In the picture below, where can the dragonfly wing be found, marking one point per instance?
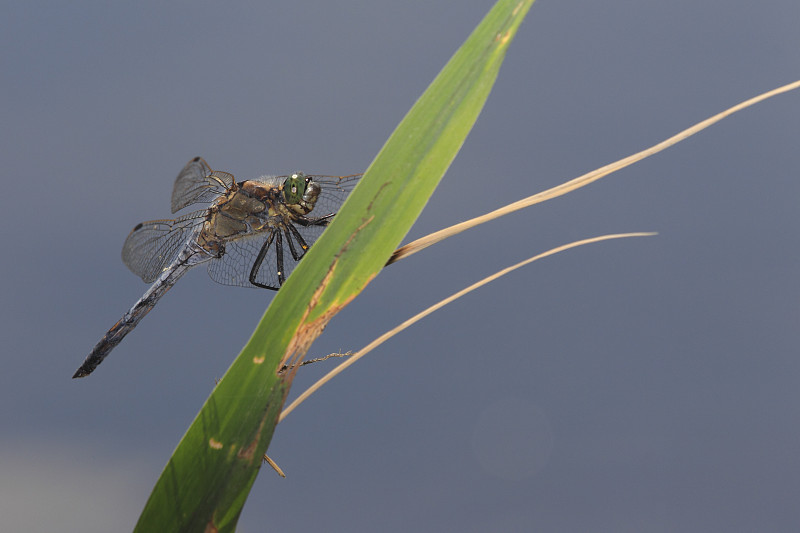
(235, 265)
(197, 183)
(153, 245)
(242, 256)
(335, 190)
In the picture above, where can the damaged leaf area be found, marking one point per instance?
(308, 331)
(206, 482)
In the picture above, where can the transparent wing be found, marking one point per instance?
(282, 244)
(335, 190)
(197, 183)
(153, 245)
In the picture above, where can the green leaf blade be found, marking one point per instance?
(207, 479)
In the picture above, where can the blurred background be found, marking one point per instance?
(635, 385)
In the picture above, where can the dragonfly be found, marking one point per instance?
(250, 233)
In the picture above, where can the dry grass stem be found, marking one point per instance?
(581, 181)
(413, 320)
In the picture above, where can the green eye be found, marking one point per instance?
(294, 188)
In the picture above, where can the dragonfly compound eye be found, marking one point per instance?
(294, 188)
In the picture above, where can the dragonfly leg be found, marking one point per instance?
(260, 259)
(321, 221)
(290, 231)
(279, 256)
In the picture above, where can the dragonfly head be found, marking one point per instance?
(301, 190)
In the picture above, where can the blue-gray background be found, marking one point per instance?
(636, 385)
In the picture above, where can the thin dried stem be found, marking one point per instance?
(581, 181)
(413, 320)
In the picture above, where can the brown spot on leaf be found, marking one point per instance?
(248, 453)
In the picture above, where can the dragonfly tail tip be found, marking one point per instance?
(80, 373)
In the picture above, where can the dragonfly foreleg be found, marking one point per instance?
(321, 221)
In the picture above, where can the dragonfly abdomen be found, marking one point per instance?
(189, 257)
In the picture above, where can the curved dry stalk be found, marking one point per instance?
(416, 318)
(549, 194)
(581, 181)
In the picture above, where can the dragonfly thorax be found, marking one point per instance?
(243, 210)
